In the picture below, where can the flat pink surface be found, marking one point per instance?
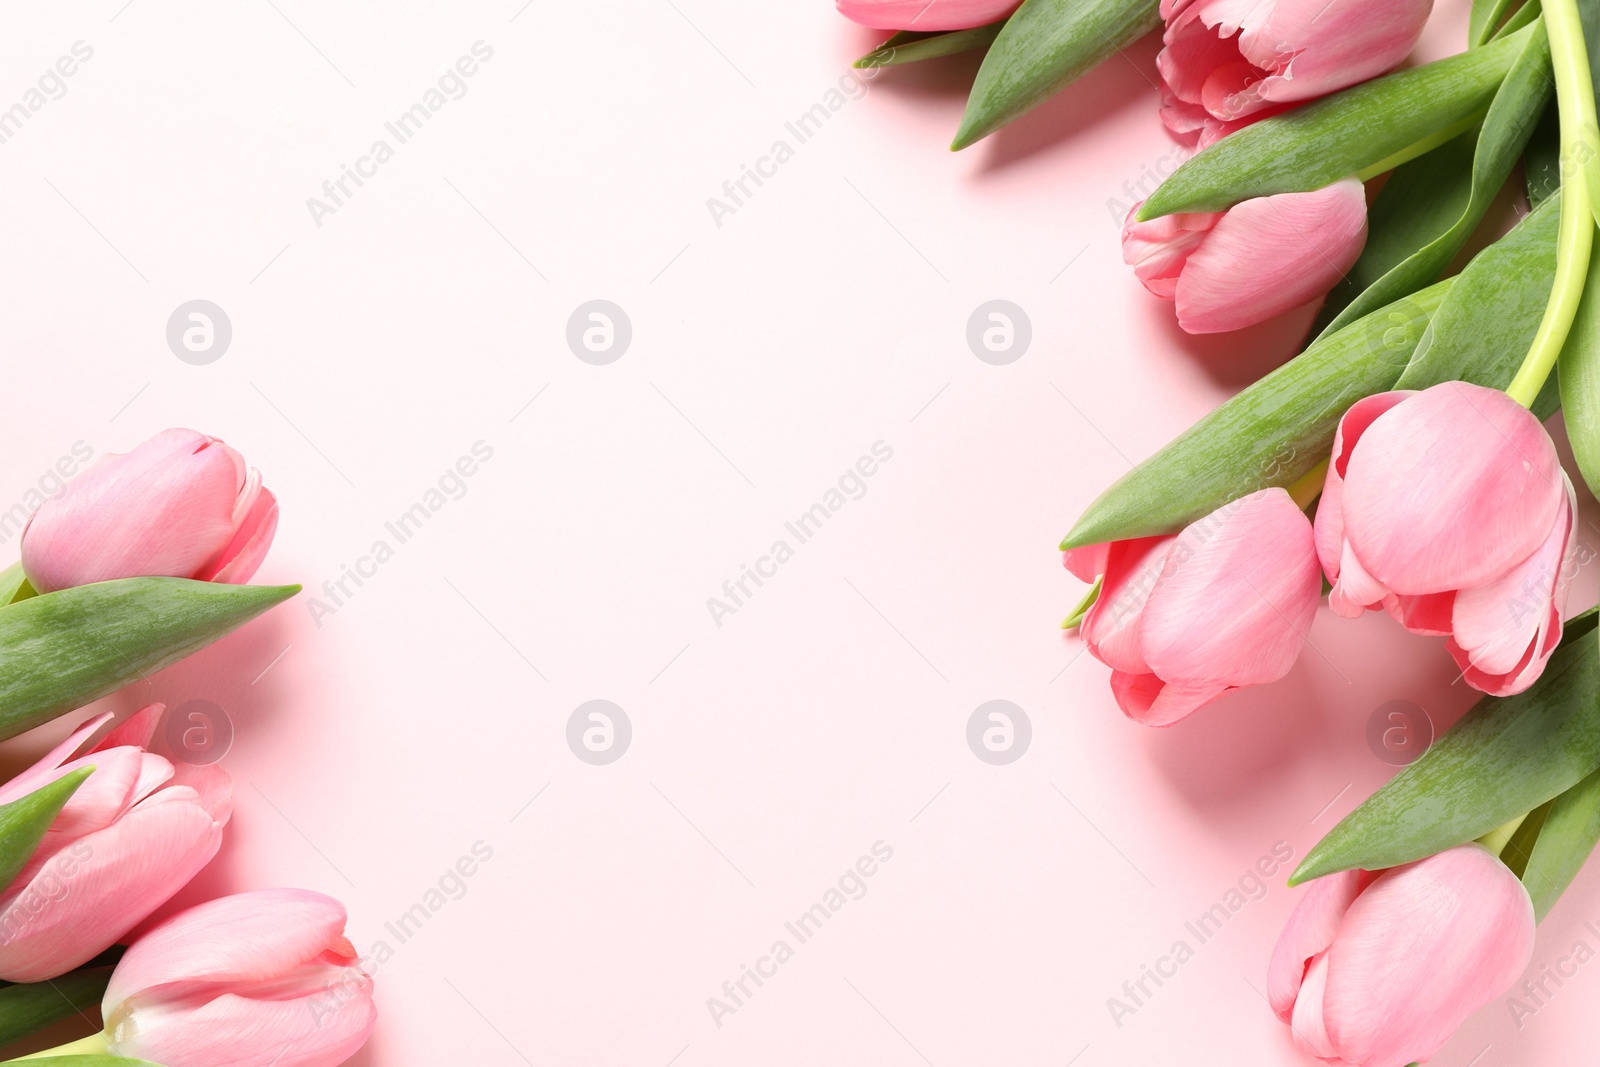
(776, 746)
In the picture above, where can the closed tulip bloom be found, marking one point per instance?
(1262, 257)
(1182, 620)
(130, 837)
(1378, 970)
(925, 14)
(253, 980)
(1449, 509)
(181, 504)
(1232, 60)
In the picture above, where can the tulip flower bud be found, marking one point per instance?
(130, 837)
(1182, 620)
(1378, 969)
(1449, 509)
(259, 978)
(180, 505)
(1230, 269)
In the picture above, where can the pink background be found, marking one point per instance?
(429, 712)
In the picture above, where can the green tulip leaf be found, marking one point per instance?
(31, 1006)
(23, 822)
(1366, 129)
(60, 650)
(1428, 191)
(1504, 758)
(1043, 47)
(1482, 330)
(1578, 372)
(1486, 16)
(907, 47)
(1270, 434)
(1569, 832)
(1416, 207)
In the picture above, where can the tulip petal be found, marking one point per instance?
(1423, 947)
(1086, 563)
(1503, 633)
(1428, 614)
(1313, 47)
(242, 557)
(925, 15)
(1356, 590)
(1149, 701)
(163, 509)
(1157, 250)
(1330, 521)
(245, 937)
(1110, 628)
(1270, 255)
(1236, 597)
(1310, 930)
(319, 1030)
(1450, 489)
(48, 768)
(137, 730)
(1307, 1023)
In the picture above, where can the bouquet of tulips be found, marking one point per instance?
(1401, 457)
(136, 563)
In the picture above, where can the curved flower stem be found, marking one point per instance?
(1580, 185)
(93, 1045)
(1309, 487)
(1497, 839)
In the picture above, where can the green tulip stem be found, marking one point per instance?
(1419, 148)
(1309, 487)
(1497, 839)
(1580, 183)
(93, 1045)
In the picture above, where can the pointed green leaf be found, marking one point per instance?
(1414, 192)
(1571, 828)
(906, 47)
(1270, 434)
(1377, 124)
(23, 822)
(61, 650)
(31, 1006)
(1044, 46)
(1482, 330)
(1504, 758)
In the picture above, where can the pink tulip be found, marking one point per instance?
(1230, 269)
(1449, 509)
(925, 15)
(182, 505)
(1379, 970)
(250, 980)
(1233, 60)
(1181, 620)
(127, 840)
